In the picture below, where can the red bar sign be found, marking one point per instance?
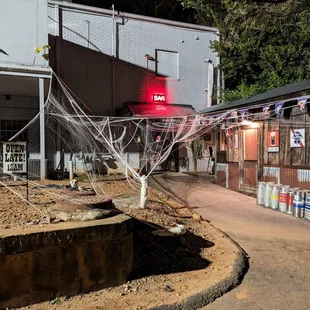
(159, 98)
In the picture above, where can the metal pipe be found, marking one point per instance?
(113, 29)
(113, 63)
(91, 9)
(42, 129)
(41, 76)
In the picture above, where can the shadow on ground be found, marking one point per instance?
(154, 255)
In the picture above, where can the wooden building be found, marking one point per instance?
(264, 138)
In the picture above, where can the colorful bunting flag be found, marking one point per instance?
(302, 102)
(244, 114)
(234, 114)
(266, 110)
(278, 107)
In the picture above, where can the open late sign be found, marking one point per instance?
(159, 98)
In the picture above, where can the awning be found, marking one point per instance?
(160, 110)
(18, 80)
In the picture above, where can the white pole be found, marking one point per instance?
(71, 174)
(113, 29)
(143, 197)
(42, 129)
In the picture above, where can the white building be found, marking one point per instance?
(114, 62)
(120, 63)
(24, 75)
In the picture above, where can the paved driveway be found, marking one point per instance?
(278, 245)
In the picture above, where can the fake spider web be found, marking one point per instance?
(95, 136)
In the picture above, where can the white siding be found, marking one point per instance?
(23, 28)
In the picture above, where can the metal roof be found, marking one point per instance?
(97, 10)
(271, 94)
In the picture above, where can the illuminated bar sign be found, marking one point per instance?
(159, 98)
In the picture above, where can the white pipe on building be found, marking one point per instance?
(42, 129)
(210, 84)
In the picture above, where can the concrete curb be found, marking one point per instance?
(197, 301)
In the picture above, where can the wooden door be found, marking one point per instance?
(250, 158)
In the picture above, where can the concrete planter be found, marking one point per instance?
(64, 259)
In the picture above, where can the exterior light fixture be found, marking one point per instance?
(149, 57)
(249, 124)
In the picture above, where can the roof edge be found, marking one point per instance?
(96, 10)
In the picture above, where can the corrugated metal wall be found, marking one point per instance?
(233, 172)
(222, 175)
(271, 174)
(295, 177)
(249, 174)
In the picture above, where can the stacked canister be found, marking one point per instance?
(293, 201)
(283, 198)
(261, 186)
(299, 204)
(275, 196)
(307, 205)
(267, 194)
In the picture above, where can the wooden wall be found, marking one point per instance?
(232, 151)
(287, 156)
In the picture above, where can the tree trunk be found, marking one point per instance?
(195, 167)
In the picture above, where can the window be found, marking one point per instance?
(167, 64)
(8, 128)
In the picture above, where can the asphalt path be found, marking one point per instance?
(278, 245)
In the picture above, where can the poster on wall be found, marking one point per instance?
(228, 132)
(273, 141)
(14, 157)
(236, 141)
(298, 137)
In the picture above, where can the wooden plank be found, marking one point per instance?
(264, 141)
(261, 151)
(236, 150)
(285, 149)
(298, 153)
(232, 152)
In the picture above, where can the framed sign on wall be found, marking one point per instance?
(273, 141)
(297, 137)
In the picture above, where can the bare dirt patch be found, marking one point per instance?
(16, 213)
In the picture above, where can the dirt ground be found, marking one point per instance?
(166, 269)
(15, 212)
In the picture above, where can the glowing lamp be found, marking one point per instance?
(159, 98)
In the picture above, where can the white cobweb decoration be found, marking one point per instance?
(96, 135)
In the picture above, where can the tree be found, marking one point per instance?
(263, 44)
(197, 147)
